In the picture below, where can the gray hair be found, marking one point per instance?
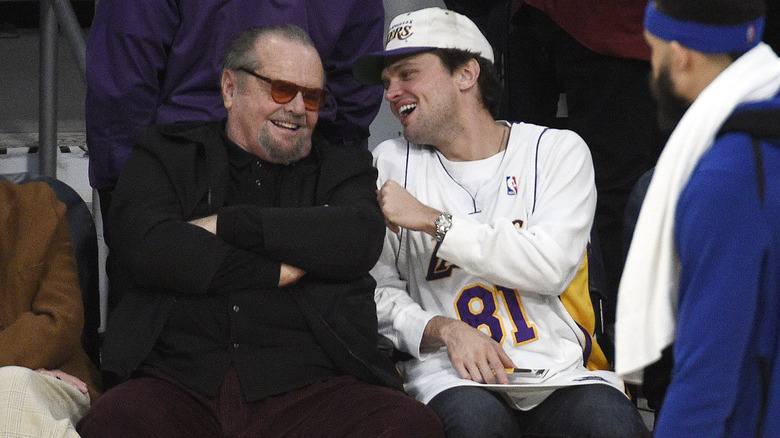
(241, 52)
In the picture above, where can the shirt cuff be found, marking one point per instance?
(410, 327)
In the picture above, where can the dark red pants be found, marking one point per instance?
(341, 407)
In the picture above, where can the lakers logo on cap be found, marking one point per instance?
(401, 31)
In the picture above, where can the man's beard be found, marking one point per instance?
(671, 106)
(276, 153)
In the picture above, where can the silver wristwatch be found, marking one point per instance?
(443, 224)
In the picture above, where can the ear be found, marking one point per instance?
(689, 71)
(682, 58)
(467, 74)
(229, 87)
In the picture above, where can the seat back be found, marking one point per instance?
(84, 239)
(597, 284)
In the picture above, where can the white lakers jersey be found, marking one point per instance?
(520, 228)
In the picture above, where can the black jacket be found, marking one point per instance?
(180, 172)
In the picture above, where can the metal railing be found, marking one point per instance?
(55, 15)
(59, 15)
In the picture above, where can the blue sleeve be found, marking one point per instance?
(127, 50)
(720, 242)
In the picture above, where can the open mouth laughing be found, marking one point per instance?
(407, 109)
(286, 125)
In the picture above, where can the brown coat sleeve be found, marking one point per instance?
(41, 311)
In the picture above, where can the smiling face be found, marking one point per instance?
(280, 133)
(423, 95)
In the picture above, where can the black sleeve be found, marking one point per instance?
(242, 270)
(150, 237)
(339, 239)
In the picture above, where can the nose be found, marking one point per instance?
(296, 105)
(393, 90)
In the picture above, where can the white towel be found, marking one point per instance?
(647, 297)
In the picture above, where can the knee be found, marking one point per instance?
(417, 419)
(147, 407)
(470, 411)
(114, 411)
(493, 424)
(14, 379)
(405, 416)
(609, 413)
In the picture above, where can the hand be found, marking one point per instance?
(65, 377)
(475, 355)
(290, 275)
(208, 223)
(401, 209)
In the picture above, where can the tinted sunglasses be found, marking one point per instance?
(284, 91)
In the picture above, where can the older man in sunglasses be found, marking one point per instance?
(242, 303)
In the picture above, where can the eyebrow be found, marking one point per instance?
(393, 68)
(400, 64)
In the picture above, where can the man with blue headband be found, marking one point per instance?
(703, 270)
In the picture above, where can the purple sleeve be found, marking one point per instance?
(349, 112)
(127, 50)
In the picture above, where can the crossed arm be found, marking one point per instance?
(265, 246)
(288, 274)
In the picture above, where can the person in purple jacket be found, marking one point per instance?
(159, 61)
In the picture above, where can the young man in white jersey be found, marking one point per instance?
(484, 270)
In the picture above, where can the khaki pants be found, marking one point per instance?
(33, 404)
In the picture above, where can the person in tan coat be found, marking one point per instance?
(47, 382)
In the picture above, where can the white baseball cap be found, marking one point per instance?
(419, 31)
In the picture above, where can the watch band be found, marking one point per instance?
(443, 224)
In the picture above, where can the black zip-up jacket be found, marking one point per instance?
(180, 172)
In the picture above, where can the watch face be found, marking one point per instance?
(443, 224)
(445, 220)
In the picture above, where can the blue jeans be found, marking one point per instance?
(597, 411)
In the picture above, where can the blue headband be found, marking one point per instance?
(707, 38)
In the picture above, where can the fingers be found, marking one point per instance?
(478, 362)
(402, 210)
(474, 355)
(501, 364)
(390, 184)
(462, 371)
(499, 373)
(393, 227)
(208, 223)
(482, 370)
(289, 274)
(65, 377)
(506, 361)
(384, 197)
(485, 373)
(380, 197)
(78, 384)
(393, 200)
(494, 370)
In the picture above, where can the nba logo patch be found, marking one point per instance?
(511, 186)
